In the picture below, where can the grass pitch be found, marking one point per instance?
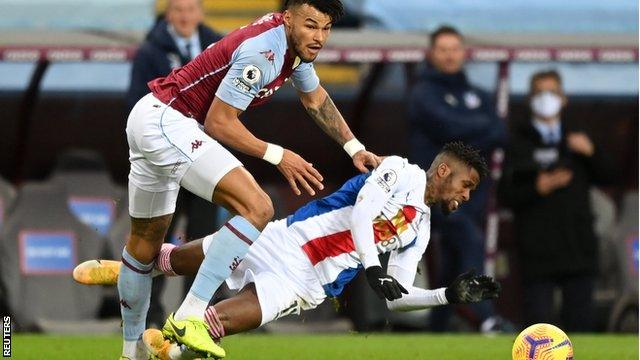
(346, 346)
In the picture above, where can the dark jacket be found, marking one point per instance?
(444, 108)
(554, 233)
(157, 56)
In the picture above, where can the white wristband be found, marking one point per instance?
(353, 146)
(273, 154)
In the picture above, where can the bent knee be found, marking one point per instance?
(259, 212)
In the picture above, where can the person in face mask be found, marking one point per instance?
(548, 171)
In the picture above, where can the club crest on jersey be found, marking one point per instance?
(269, 55)
(251, 74)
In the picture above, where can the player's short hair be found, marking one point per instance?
(444, 30)
(545, 74)
(170, 2)
(468, 155)
(333, 8)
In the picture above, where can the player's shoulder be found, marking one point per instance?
(391, 171)
(262, 52)
(393, 161)
(264, 41)
(396, 169)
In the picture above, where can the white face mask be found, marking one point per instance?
(546, 104)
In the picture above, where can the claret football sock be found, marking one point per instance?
(227, 248)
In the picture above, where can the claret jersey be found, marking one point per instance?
(323, 228)
(243, 69)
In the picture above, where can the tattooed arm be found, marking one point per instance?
(324, 112)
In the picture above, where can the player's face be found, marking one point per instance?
(309, 30)
(447, 54)
(184, 15)
(457, 187)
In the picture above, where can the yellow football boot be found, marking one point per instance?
(194, 334)
(97, 272)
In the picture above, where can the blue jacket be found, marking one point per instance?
(157, 56)
(446, 107)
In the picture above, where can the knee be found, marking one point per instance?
(260, 212)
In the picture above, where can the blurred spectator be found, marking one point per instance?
(548, 171)
(444, 107)
(175, 39)
(172, 42)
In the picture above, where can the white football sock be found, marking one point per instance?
(191, 306)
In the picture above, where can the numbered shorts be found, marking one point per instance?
(285, 280)
(168, 150)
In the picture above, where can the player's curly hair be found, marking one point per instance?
(333, 8)
(468, 155)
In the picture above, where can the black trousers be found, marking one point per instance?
(576, 311)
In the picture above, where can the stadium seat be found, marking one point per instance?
(91, 195)
(42, 243)
(93, 198)
(604, 217)
(624, 316)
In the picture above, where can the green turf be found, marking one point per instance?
(346, 347)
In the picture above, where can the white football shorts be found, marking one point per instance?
(168, 150)
(285, 280)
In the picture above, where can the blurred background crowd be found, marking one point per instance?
(548, 91)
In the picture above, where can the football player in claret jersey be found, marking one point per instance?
(176, 135)
(312, 254)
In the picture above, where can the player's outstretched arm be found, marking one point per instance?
(222, 123)
(465, 289)
(325, 113)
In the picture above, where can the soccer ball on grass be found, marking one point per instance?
(542, 341)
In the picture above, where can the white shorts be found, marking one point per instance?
(168, 150)
(285, 280)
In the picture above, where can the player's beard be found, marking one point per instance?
(445, 204)
(298, 49)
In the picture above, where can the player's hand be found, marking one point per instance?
(299, 172)
(469, 288)
(363, 159)
(385, 286)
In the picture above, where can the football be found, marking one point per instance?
(542, 341)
